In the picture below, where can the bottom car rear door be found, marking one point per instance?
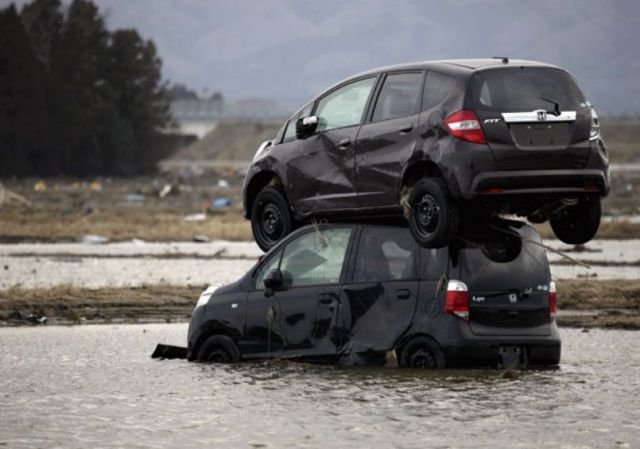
(380, 300)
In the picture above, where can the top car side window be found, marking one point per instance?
(399, 96)
(344, 106)
(436, 89)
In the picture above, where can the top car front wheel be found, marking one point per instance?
(270, 218)
(434, 217)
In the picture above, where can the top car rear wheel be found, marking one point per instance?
(577, 224)
(433, 218)
(270, 218)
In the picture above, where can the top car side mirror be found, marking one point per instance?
(272, 281)
(305, 126)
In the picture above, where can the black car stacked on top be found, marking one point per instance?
(444, 143)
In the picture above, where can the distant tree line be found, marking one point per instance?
(75, 98)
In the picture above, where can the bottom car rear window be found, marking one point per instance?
(485, 268)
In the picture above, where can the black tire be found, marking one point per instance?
(422, 353)
(434, 217)
(577, 224)
(218, 349)
(270, 218)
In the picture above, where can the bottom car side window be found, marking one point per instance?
(315, 258)
(271, 264)
(385, 254)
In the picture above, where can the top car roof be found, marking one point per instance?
(457, 65)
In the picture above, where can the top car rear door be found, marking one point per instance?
(388, 138)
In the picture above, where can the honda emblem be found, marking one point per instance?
(513, 298)
(542, 115)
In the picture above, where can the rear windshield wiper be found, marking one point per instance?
(556, 105)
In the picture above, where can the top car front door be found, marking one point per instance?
(388, 139)
(321, 174)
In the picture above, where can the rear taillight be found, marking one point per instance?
(553, 304)
(465, 125)
(594, 132)
(457, 301)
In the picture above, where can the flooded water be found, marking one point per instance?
(95, 386)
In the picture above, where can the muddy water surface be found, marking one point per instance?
(95, 386)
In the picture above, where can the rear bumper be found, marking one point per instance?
(487, 353)
(467, 349)
(540, 182)
(471, 172)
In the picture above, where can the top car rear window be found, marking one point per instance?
(521, 89)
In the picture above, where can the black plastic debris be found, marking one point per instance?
(169, 352)
(31, 318)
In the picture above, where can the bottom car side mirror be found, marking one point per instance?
(272, 281)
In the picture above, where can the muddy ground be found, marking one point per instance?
(586, 304)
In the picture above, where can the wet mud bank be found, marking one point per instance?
(582, 303)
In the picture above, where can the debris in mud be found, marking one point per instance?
(40, 186)
(222, 202)
(92, 239)
(195, 217)
(32, 318)
(166, 190)
(169, 352)
(201, 239)
(134, 198)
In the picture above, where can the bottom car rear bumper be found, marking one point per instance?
(489, 353)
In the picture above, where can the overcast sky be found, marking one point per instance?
(290, 50)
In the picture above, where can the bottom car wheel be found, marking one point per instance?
(421, 352)
(434, 217)
(579, 223)
(219, 349)
(270, 218)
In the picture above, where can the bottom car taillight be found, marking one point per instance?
(457, 301)
(553, 303)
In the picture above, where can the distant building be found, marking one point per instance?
(198, 116)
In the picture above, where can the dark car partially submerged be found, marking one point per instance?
(442, 142)
(351, 293)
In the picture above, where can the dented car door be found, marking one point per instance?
(380, 299)
(321, 173)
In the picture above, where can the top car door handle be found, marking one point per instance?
(406, 129)
(327, 298)
(403, 293)
(344, 143)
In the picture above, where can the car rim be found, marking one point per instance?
(422, 358)
(271, 222)
(428, 212)
(218, 355)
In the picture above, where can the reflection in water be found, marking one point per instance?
(96, 386)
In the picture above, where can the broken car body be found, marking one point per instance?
(442, 142)
(350, 293)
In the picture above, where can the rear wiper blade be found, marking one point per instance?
(556, 105)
